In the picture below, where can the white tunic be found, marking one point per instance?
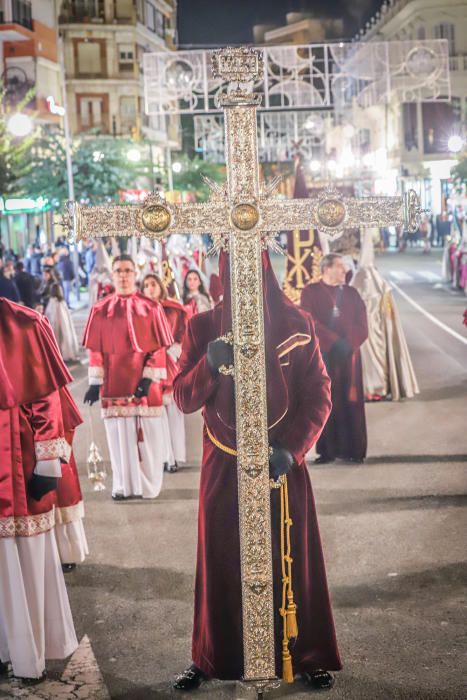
(35, 616)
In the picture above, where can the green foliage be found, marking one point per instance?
(14, 160)
(100, 168)
(189, 178)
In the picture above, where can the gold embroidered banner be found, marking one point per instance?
(303, 248)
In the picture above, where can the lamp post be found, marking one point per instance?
(69, 163)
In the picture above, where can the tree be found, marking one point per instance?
(14, 161)
(189, 178)
(101, 168)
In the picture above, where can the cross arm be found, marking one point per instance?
(332, 213)
(155, 218)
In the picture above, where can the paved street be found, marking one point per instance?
(393, 532)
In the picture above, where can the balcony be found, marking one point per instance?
(15, 21)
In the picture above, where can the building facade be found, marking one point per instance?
(413, 143)
(104, 43)
(29, 57)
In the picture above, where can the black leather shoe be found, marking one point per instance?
(66, 568)
(190, 679)
(324, 460)
(118, 497)
(319, 680)
(172, 468)
(3, 669)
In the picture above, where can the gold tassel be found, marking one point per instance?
(292, 627)
(287, 670)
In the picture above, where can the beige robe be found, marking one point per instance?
(387, 367)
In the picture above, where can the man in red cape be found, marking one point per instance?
(35, 616)
(298, 401)
(341, 324)
(126, 335)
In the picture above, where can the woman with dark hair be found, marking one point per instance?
(174, 424)
(195, 293)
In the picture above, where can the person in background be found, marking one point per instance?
(341, 324)
(90, 257)
(195, 293)
(35, 267)
(59, 316)
(8, 288)
(177, 317)
(127, 336)
(49, 282)
(25, 284)
(67, 273)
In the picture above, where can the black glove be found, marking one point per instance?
(341, 350)
(219, 353)
(92, 394)
(143, 387)
(38, 486)
(280, 462)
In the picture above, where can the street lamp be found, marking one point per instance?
(19, 125)
(177, 167)
(455, 143)
(134, 155)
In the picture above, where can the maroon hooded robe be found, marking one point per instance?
(345, 433)
(298, 406)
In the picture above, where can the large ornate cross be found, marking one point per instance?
(243, 218)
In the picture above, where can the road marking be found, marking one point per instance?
(430, 276)
(432, 318)
(401, 276)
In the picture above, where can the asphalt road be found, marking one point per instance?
(393, 531)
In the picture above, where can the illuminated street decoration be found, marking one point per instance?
(313, 77)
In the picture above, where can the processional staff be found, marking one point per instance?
(243, 219)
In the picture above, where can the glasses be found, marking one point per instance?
(124, 271)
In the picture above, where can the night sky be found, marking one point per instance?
(205, 23)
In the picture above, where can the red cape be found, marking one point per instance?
(141, 324)
(31, 366)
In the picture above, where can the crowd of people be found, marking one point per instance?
(156, 353)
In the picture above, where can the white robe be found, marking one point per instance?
(176, 429)
(387, 367)
(70, 535)
(132, 477)
(35, 616)
(60, 319)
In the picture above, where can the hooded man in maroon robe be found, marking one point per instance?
(298, 401)
(340, 319)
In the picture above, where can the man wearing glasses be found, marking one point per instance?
(126, 334)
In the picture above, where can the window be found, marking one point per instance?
(155, 20)
(445, 30)
(123, 9)
(89, 57)
(92, 112)
(160, 24)
(22, 13)
(125, 57)
(421, 33)
(81, 9)
(128, 111)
